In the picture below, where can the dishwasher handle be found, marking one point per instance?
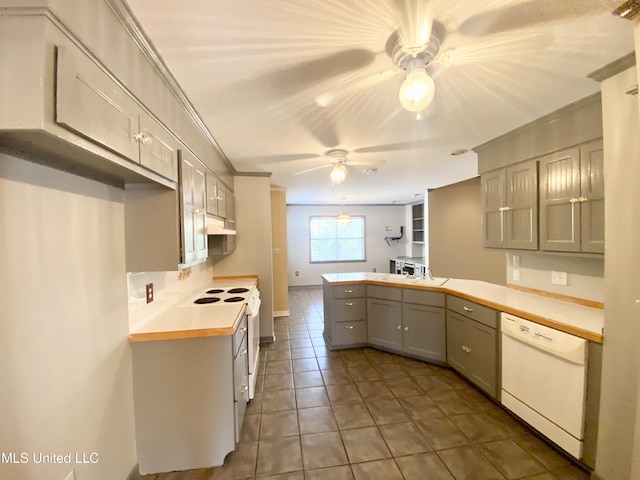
(559, 344)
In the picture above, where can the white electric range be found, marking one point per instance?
(250, 295)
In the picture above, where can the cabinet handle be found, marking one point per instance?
(468, 350)
(349, 304)
(143, 139)
(504, 209)
(348, 291)
(243, 329)
(464, 349)
(574, 200)
(244, 389)
(243, 351)
(467, 309)
(399, 327)
(406, 329)
(582, 199)
(350, 327)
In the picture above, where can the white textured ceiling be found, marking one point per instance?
(253, 69)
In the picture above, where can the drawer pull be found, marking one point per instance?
(243, 351)
(349, 304)
(466, 349)
(348, 291)
(244, 389)
(467, 309)
(406, 329)
(243, 329)
(399, 327)
(350, 327)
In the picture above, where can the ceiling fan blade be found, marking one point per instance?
(313, 169)
(327, 99)
(416, 21)
(532, 13)
(303, 74)
(392, 147)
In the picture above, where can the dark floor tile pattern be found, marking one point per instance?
(364, 414)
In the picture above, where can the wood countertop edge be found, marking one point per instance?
(579, 332)
(184, 334)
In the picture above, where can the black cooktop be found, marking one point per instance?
(215, 290)
(205, 300)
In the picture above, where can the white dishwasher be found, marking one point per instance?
(544, 380)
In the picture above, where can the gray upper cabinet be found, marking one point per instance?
(193, 207)
(572, 200)
(92, 104)
(510, 209)
(213, 194)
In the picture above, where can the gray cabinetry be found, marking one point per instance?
(423, 325)
(472, 343)
(572, 200)
(188, 417)
(92, 104)
(509, 203)
(193, 208)
(345, 315)
(384, 323)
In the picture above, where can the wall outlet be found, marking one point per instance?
(387, 228)
(70, 476)
(297, 273)
(516, 275)
(149, 292)
(559, 278)
(374, 270)
(515, 260)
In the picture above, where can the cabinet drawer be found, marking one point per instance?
(348, 291)
(386, 293)
(238, 335)
(349, 309)
(349, 333)
(475, 311)
(423, 297)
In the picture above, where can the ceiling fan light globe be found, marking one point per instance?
(338, 174)
(417, 90)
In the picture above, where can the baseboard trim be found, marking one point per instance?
(134, 473)
(281, 313)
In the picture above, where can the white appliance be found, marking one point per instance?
(544, 380)
(251, 297)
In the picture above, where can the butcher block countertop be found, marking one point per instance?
(582, 321)
(186, 320)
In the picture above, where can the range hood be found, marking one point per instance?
(215, 226)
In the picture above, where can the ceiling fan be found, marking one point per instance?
(339, 163)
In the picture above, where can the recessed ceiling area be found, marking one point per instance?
(281, 82)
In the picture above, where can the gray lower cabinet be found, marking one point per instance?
(472, 343)
(345, 315)
(188, 417)
(408, 321)
(572, 199)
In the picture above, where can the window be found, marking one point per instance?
(331, 242)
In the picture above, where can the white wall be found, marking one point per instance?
(585, 275)
(253, 254)
(378, 252)
(65, 363)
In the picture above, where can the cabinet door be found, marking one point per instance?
(493, 214)
(92, 104)
(192, 206)
(222, 200)
(592, 197)
(522, 203)
(483, 357)
(230, 219)
(158, 150)
(200, 211)
(212, 194)
(384, 323)
(457, 342)
(559, 204)
(424, 332)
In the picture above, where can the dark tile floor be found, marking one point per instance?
(365, 414)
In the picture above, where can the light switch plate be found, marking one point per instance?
(516, 275)
(516, 260)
